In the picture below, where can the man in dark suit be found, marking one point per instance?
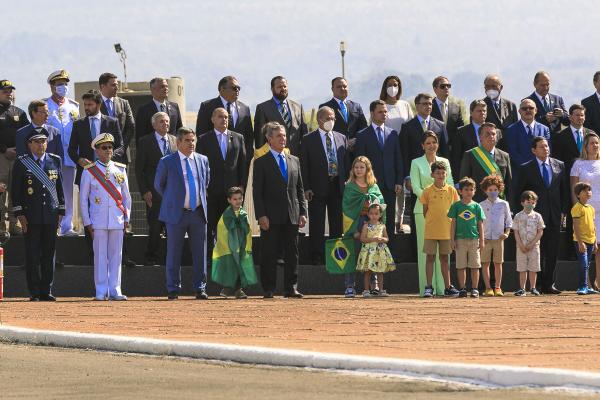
(500, 111)
(226, 153)
(324, 161)
(240, 119)
(381, 146)
(467, 137)
(447, 109)
(592, 106)
(551, 109)
(150, 149)
(181, 180)
(39, 204)
(38, 111)
(471, 166)
(349, 116)
(280, 207)
(286, 112)
(159, 88)
(547, 177)
(118, 108)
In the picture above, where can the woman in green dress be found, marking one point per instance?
(420, 177)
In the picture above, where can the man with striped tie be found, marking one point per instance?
(150, 149)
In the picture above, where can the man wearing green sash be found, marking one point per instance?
(485, 160)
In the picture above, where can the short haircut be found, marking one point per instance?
(540, 74)
(158, 115)
(271, 127)
(93, 95)
(383, 95)
(438, 165)
(34, 105)
(466, 182)
(437, 80)
(234, 190)
(580, 187)
(492, 180)
(105, 77)
(486, 125)
(575, 107)
(155, 80)
(527, 100)
(596, 76)
(225, 80)
(275, 78)
(489, 77)
(427, 135)
(218, 109)
(477, 103)
(183, 131)
(528, 195)
(536, 140)
(323, 110)
(376, 103)
(422, 96)
(337, 78)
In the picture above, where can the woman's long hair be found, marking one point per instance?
(369, 176)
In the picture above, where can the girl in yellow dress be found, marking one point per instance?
(375, 256)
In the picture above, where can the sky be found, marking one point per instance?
(255, 40)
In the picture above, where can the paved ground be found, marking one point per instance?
(547, 331)
(49, 373)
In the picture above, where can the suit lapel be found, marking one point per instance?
(275, 112)
(154, 146)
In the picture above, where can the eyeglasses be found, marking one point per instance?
(105, 147)
(427, 104)
(445, 86)
(527, 108)
(235, 88)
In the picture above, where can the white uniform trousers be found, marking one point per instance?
(108, 246)
(68, 175)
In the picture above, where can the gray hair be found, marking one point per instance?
(158, 115)
(219, 109)
(323, 110)
(156, 79)
(271, 127)
(181, 132)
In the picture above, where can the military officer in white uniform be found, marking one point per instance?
(105, 208)
(63, 111)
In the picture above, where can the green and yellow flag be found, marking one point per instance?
(232, 255)
(353, 202)
(340, 256)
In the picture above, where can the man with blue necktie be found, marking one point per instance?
(181, 180)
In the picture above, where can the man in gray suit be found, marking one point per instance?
(284, 111)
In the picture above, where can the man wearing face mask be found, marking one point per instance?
(500, 111)
(286, 112)
(551, 109)
(324, 164)
(63, 112)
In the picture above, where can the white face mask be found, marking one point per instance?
(392, 91)
(62, 90)
(492, 94)
(328, 125)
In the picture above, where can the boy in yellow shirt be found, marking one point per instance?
(584, 234)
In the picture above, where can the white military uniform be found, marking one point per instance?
(100, 210)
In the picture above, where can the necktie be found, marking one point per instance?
(230, 114)
(165, 147)
(579, 140)
(546, 105)
(285, 114)
(191, 184)
(444, 113)
(283, 168)
(529, 131)
(39, 162)
(223, 144)
(109, 107)
(331, 159)
(94, 127)
(497, 107)
(380, 137)
(162, 108)
(424, 124)
(546, 174)
(344, 110)
(476, 129)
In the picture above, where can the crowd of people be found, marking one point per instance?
(529, 168)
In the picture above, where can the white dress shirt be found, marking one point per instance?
(525, 125)
(233, 108)
(161, 144)
(541, 98)
(164, 103)
(183, 158)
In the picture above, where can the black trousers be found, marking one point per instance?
(548, 254)
(216, 205)
(40, 247)
(279, 234)
(332, 202)
(154, 229)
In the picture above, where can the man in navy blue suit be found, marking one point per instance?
(381, 146)
(181, 180)
(38, 111)
(551, 109)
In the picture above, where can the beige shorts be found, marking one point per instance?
(493, 251)
(467, 253)
(430, 246)
(529, 261)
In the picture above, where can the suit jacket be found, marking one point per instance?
(455, 118)
(228, 172)
(55, 145)
(387, 161)
(243, 125)
(470, 167)
(356, 118)
(564, 147)
(143, 119)
(552, 201)
(592, 112)
(31, 198)
(280, 201)
(80, 145)
(123, 114)
(518, 142)
(169, 184)
(411, 135)
(508, 113)
(315, 166)
(148, 154)
(268, 112)
(555, 102)
(465, 139)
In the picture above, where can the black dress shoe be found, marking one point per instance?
(47, 297)
(150, 263)
(268, 295)
(173, 296)
(34, 298)
(552, 290)
(201, 295)
(59, 264)
(294, 293)
(129, 263)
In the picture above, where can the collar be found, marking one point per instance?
(492, 151)
(440, 102)
(107, 98)
(225, 102)
(158, 104)
(275, 153)
(159, 137)
(97, 116)
(532, 125)
(476, 126)
(183, 156)
(276, 100)
(421, 119)
(218, 132)
(43, 126)
(541, 98)
(573, 129)
(375, 126)
(104, 165)
(324, 133)
(540, 162)
(42, 158)
(340, 101)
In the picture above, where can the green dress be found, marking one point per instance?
(373, 256)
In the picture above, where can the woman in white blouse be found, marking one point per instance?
(399, 111)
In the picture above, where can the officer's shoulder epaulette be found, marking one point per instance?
(120, 165)
(90, 165)
(55, 156)
(46, 99)
(73, 102)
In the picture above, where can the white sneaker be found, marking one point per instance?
(366, 293)
(383, 293)
(474, 293)
(120, 297)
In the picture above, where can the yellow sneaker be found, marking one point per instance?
(488, 293)
(498, 292)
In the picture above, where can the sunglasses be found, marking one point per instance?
(426, 104)
(105, 147)
(445, 86)
(527, 108)
(236, 88)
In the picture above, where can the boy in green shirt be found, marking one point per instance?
(467, 236)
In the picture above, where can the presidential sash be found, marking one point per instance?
(485, 160)
(41, 176)
(108, 186)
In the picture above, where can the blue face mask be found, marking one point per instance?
(528, 207)
(493, 195)
(62, 90)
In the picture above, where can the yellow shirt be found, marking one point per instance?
(438, 201)
(585, 213)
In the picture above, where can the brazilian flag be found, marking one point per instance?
(340, 256)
